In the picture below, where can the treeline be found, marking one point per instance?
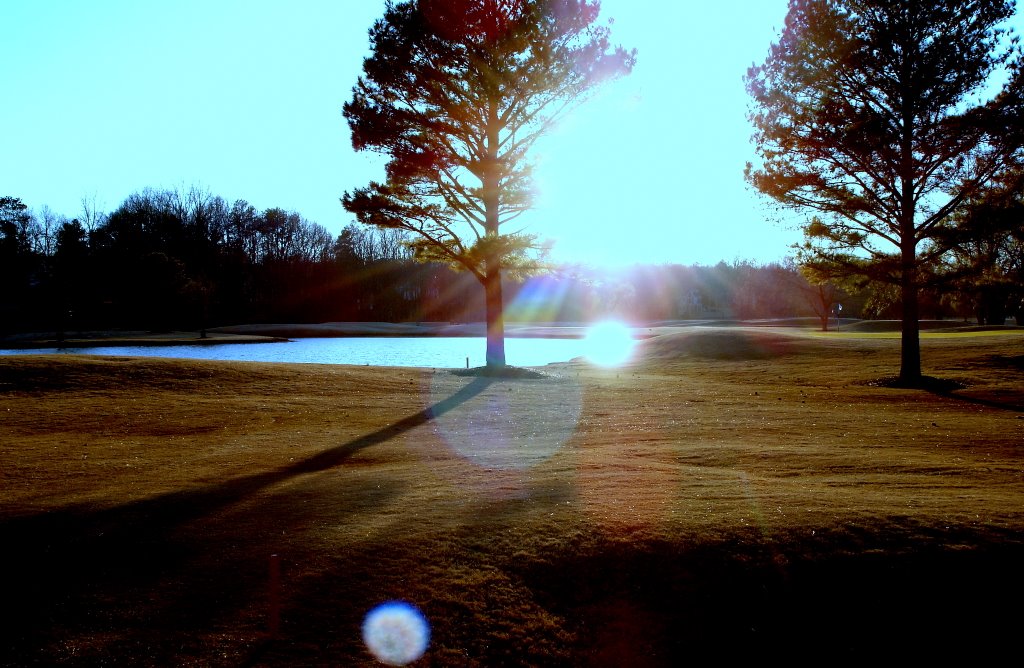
(168, 259)
(171, 259)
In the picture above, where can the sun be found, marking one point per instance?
(608, 343)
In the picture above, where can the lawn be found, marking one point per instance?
(729, 493)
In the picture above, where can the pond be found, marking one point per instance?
(436, 352)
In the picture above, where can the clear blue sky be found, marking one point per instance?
(243, 98)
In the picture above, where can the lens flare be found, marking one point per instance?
(608, 344)
(396, 633)
(506, 424)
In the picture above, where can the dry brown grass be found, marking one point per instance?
(732, 493)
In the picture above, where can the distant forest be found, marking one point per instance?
(171, 260)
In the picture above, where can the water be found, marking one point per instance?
(436, 352)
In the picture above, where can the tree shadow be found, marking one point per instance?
(166, 510)
(72, 562)
(947, 389)
(335, 456)
(1002, 363)
(1011, 406)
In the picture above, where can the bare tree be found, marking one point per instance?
(92, 215)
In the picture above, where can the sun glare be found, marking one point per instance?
(608, 343)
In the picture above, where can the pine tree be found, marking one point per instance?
(881, 118)
(456, 92)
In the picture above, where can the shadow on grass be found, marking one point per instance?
(1002, 363)
(81, 570)
(844, 597)
(948, 389)
(669, 604)
(981, 401)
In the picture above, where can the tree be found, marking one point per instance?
(92, 217)
(456, 92)
(47, 223)
(15, 222)
(866, 114)
(70, 272)
(823, 297)
(985, 260)
(16, 258)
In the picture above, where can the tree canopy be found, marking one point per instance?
(985, 263)
(881, 118)
(456, 92)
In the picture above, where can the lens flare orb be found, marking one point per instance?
(608, 344)
(396, 633)
(506, 424)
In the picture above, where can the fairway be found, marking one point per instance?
(726, 493)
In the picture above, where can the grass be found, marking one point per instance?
(959, 333)
(740, 493)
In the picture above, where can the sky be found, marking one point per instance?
(243, 98)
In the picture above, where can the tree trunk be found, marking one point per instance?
(492, 270)
(910, 334)
(910, 343)
(495, 318)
